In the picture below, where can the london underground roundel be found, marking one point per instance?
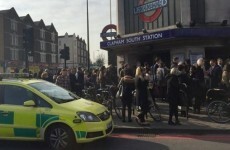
(150, 10)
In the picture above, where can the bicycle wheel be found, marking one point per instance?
(219, 111)
(117, 105)
(154, 112)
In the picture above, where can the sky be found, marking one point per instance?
(69, 16)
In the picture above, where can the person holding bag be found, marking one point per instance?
(128, 86)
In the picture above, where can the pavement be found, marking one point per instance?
(195, 124)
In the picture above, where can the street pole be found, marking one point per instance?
(110, 12)
(110, 9)
(88, 35)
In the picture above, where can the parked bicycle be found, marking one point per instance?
(105, 97)
(218, 109)
(153, 109)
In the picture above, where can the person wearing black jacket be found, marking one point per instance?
(73, 80)
(173, 95)
(80, 81)
(128, 86)
(141, 84)
(215, 74)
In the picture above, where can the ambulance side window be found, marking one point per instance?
(16, 95)
(1, 94)
(41, 102)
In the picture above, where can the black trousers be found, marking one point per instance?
(173, 110)
(126, 102)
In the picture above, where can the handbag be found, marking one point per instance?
(119, 92)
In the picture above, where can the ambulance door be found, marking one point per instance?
(17, 119)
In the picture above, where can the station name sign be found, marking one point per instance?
(150, 6)
(169, 34)
(137, 39)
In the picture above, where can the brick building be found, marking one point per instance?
(44, 50)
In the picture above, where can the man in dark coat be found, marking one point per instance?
(73, 80)
(80, 81)
(173, 95)
(215, 73)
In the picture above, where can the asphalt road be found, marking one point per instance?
(138, 142)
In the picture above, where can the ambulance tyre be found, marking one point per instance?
(60, 137)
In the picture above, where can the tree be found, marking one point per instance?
(100, 60)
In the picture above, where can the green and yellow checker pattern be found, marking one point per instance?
(12, 125)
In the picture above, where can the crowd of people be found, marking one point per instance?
(150, 82)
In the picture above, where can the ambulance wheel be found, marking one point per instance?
(60, 137)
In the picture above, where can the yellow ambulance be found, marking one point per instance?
(32, 109)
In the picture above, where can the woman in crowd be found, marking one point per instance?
(141, 84)
(128, 86)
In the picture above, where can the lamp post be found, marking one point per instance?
(88, 34)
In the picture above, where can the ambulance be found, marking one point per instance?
(37, 110)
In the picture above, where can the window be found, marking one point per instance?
(53, 47)
(43, 57)
(41, 102)
(30, 58)
(79, 59)
(14, 54)
(14, 40)
(13, 25)
(42, 45)
(53, 36)
(53, 58)
(42, 33)
(19, 97)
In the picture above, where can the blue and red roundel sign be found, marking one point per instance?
(105, 34)
(149, 10)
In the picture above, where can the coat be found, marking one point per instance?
(172, 89)
(128, 87)
(141, 91)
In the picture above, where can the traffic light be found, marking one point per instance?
(65, 53)
(28, 40)
(62, 52)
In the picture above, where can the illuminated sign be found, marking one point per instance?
(149, 10)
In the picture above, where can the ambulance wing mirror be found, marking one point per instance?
(29, 103)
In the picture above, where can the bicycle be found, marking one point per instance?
(218, 110)
(153, 110)
(89, 93)
(105, 97)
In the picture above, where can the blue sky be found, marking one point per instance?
(69, 16)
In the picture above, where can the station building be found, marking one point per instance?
(187, 29)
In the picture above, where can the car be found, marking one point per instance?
(33, 109)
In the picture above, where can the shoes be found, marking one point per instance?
(130, 120)
(171, 123)
(141, 123)
(177, 123)
(183, 114)
(137, 120)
